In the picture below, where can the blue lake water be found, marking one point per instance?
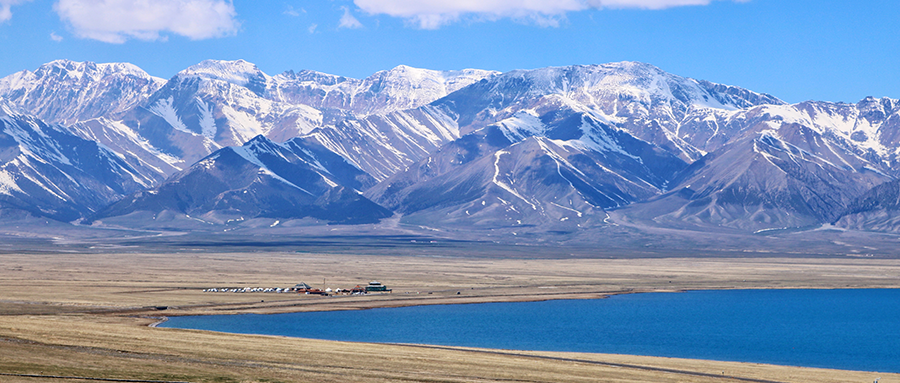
(842, 329)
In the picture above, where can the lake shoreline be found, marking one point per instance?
(249, 325)
(361, 304)
(63, 312)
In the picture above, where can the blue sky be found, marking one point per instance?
(793, 49)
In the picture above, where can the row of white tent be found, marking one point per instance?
(249, 290)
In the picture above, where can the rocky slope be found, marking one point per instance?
(876, 210)
(260, 179)
(49, 172)
(531, 171)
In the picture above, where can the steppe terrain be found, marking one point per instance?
(77, 316)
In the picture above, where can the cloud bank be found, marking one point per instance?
(432, 14)
(116, 21)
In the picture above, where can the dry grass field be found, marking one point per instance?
(86, 315)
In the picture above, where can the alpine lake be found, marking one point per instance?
(849, 329)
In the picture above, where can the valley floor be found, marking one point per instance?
(76, 316)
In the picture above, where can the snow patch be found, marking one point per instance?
(238, 72)
(567, 208)
(522, 125)
(244, 126)
(503, 185)
(328, 180)
(8, 184)
(165, 109)
(207, 122)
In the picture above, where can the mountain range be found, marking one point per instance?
(564, 150)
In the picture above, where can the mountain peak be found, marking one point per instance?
(259, 139)
(80, 70)
(219, 64)
(316, 77)
(628, 66)
(407, 74)
(605, 85)
(69, 91)
(447, 77)
(402, 67)
(261, 143)
(237, 72)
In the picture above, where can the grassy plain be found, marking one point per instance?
(86, 315)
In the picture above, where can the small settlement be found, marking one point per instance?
(303, 288)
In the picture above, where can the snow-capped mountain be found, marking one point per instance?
(65, 91)
(639, 98)
(225, 103)
(787, 166)
(149, 161)
(400, 88)
(161, 127)
(779, 178)
(260, 179)
(384, 144)
(562, 170)
(820, 157)
(606, 133)
(212, 105)
(868, 127)
(49, 172)
(550, 148)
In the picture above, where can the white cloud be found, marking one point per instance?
(5, 11)
(348, 21)
(647, 4)
(291, 11)
(55, 37)
(432, 14)
(116, 21)
(312, 28)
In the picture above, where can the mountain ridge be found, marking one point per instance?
(551, 148)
